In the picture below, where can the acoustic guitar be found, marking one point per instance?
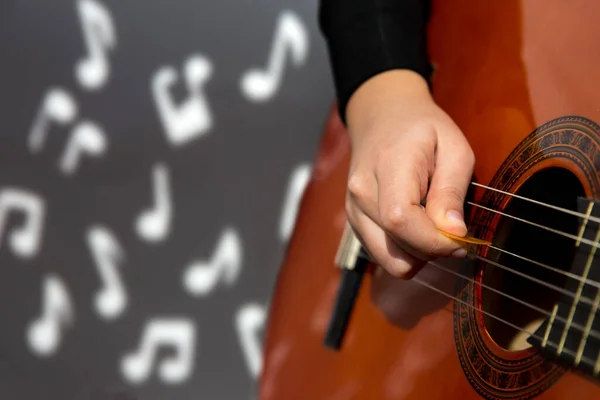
(519, 317)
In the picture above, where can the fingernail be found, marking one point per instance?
(460, 253)
(456, 218)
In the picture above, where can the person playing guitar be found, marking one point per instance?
(405, 149)
(415, 272)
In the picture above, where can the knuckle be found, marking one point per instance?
(394, 219)
(357, 186)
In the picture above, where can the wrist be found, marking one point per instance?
(396, 87)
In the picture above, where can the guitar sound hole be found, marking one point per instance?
(555, 186)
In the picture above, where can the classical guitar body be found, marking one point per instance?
(518, 319)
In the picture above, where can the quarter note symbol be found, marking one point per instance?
(249, 321)
(100, 37)
(111, 300)
(177, 333)
(87, 138)
(290, 35)
(44, 335)
(192, 118)
(202, 277)
(57, 106)
(154, 223)
(25, 240)
(297, 185)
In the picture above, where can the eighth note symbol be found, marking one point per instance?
(24, 241)
(57, 106)
(44, 334)
(86, 138)
(192, 118)
(111, 300)
(154, 224)
(201, 277)
(99, 34)
(290, 34)
(179, 333)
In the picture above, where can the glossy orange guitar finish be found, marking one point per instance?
(522, 80)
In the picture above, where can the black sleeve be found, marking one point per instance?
(366, 37)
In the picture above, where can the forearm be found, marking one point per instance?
(367, 37)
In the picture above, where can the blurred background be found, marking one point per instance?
(152, 157)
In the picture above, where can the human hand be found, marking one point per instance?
(405, 149)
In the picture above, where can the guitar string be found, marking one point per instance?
(574, 276)
(582, 298)
(548, 342)
(579, 327)
(565, 210)
(556, 231)
(571, 275)
(586, 280)
(568, 235)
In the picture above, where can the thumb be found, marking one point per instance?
(448, 188)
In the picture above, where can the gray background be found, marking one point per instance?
(235, 175)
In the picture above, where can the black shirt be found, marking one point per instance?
(366, 37)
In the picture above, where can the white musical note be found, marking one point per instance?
(87, 138)
(154, 224)
(290, 34)
(111, 300)
(44, 335)
(100, 37)
(297, 184)
(57, 106)
(202, 277)
(179, 333)
(192, 118)
(249, 320)
(24, 241)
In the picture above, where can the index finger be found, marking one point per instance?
(402, 184)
